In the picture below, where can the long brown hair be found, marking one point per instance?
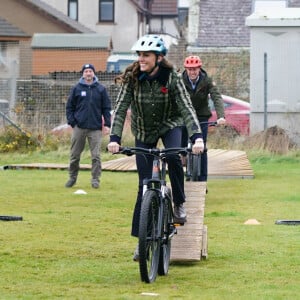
(132, 71)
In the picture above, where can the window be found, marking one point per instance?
(106, 10)
(3, 51)
(183, 14)
(73, 9)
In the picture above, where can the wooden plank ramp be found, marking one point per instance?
(221, 164)
(228, 164)
(190, 242)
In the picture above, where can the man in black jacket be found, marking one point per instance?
(88, 112)
(201, 87)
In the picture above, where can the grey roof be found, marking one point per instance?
(293, 3)
(50, 10)
(70, 40)
(164, 8)
(222, 24)
(9, 30)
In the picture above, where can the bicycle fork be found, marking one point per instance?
(166, 197)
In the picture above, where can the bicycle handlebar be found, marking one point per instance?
(153, 151)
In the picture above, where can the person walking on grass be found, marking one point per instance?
(201, 87)
(158, 100)
(88, 113)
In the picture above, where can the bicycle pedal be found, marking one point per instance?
(177, 224)
(179, 221)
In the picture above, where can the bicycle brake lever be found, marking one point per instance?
(125, 150)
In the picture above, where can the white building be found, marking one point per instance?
(274, 70)
(123, 20)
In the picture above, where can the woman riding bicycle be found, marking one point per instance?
(158, 101)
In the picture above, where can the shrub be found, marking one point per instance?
(14, 140)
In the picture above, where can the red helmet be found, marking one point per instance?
(192, 62)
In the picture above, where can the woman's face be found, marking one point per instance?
(147, 60)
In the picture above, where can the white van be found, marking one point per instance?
(118, 62)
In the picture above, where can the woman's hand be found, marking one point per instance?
(198, 147)
(221, 121)
(113, 147)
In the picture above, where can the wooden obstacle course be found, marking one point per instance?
(190, 242)
(221, 164)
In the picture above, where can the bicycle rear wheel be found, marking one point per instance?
(149, 244)
(196, 167)
(168, 229)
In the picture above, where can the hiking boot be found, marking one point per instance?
(95, 184)
(70, 182)
(179, 213)
(136, 254)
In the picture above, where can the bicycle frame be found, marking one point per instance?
(158, 183)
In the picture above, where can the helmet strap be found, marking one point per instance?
(157, 63)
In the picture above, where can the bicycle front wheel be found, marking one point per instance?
(149, 244)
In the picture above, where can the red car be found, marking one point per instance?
(237, 114)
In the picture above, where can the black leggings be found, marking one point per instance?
(144, 167)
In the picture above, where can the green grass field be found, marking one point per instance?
(79, 246)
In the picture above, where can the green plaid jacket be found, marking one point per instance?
(155, 108)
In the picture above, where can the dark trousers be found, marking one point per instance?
(144, 167)
(185, 138)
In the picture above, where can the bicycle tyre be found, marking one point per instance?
(165, 248)
(196, 167)
(149, 244)
(11, 218)
(189, 167)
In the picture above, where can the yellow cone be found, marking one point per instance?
(252, 222)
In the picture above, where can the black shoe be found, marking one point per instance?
(179, 214)
(70, 182)
(95, 184)
(136, 255)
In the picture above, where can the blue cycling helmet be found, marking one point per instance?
(150, 42)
